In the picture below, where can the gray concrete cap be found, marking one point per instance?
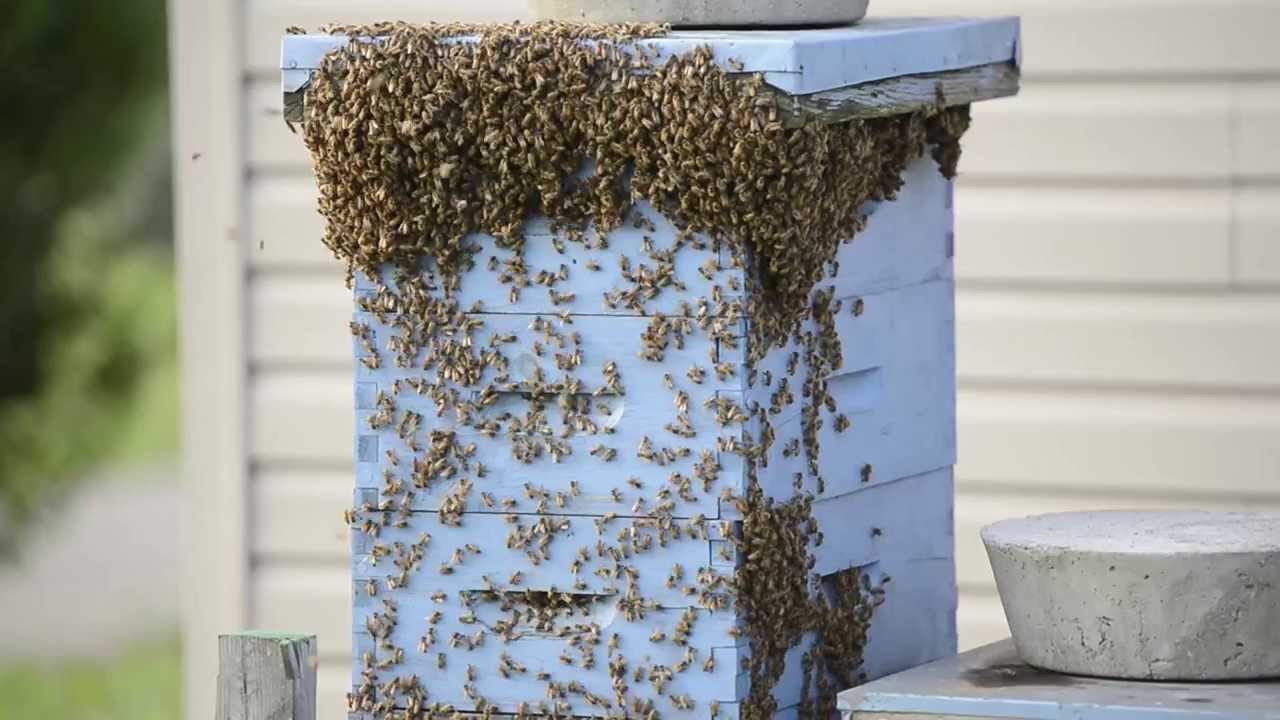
(1144, 595)
(737, 13)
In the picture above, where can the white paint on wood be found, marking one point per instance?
(1257, 236)
(1209, 340)
(1032, 236)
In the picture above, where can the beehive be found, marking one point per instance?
(619, 461)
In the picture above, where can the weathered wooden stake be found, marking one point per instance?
(266, 676)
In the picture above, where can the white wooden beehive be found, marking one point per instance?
(885, 503)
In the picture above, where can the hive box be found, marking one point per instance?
(885, 505)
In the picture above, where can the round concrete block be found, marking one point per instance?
(1142, 595)
(704, 13)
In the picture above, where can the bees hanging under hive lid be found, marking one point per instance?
(654, 356)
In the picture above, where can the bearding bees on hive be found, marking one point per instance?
(569, 259)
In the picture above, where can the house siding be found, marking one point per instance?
(1118, 266)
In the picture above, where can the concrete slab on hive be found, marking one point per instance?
(1147, 595)
(704, 12)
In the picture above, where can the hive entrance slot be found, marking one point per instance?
(589, 411)
(543, 612)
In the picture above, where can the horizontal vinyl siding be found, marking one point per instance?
(1118, 254)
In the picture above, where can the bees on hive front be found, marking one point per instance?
(385, 123)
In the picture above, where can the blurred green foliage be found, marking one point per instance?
(87, 317)
(143, 683)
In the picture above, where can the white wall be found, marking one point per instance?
(1118, 248)
(1118, 256)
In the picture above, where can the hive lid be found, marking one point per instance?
(795, 61)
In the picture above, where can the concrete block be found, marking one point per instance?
(704, 12)
(1147, 595)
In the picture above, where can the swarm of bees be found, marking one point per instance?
(419, 144)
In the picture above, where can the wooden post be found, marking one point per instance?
(266, 676)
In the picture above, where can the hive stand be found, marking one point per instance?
(886, 506)
(992, 683)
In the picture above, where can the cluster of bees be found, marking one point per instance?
(420, 141)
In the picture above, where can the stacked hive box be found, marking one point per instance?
(551, 481)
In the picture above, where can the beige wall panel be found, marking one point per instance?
(285, 228)
(1128, 37)
(1256, 144)
(1086, 236)
(302, 418)
(980, 619)
(300, 319)
(333, 682)
(1211, 340)
(1113, 131)
(1257, 226)
(297, 514)
(1116, 441)
(314, 598)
